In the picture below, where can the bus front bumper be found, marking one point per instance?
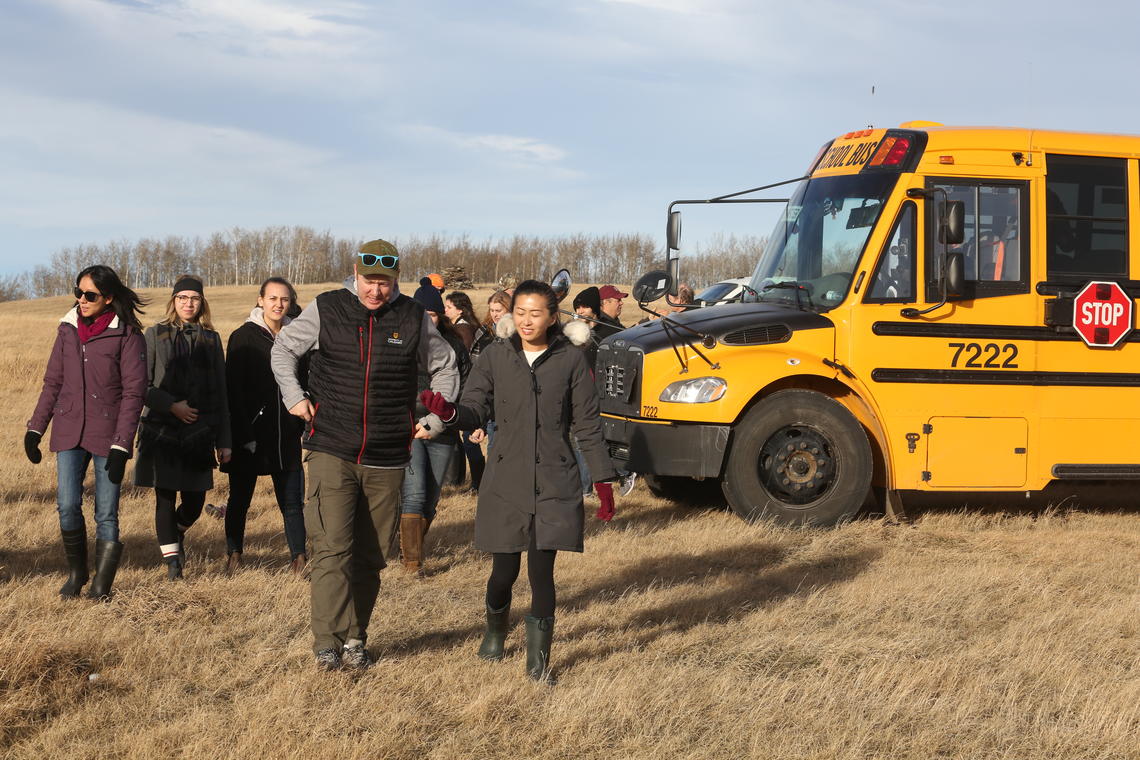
(666, 448)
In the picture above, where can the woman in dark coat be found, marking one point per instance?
(92, 396)
(267, 439)
(186, 417)
(538, 388)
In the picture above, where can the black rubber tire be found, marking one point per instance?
(686, 491)
(798, 458)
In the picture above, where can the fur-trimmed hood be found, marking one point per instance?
(575, 330)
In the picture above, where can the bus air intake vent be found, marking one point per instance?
(756, 336)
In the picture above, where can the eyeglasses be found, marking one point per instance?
(387, 260)
(188, 299)
(90, 296)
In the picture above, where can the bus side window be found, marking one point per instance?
(992, 247)
(894, 275)
(1087, 218)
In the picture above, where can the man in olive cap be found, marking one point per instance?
(367, 342)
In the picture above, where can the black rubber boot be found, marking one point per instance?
(107, 556)
(173, 569)
(539, 632)
(496, 634)
(75, 549)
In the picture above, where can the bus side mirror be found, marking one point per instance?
(952, 224)
(560, 284)
(652, 286)
(673, 231)
(955, 277)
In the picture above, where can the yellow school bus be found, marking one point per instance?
(919, 321)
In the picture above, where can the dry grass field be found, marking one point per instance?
(681, 633)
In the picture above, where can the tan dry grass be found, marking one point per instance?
(681, 633)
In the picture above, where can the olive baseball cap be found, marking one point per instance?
(378, 257)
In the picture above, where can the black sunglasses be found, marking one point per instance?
(90, 296)
(387, 261)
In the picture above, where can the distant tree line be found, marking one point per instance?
(246, 257)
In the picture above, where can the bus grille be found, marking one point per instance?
(618, 378)
(755, 336)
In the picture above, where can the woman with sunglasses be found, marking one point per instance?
(267, 437)
(186, 417)
(92, 395)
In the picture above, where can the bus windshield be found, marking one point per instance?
(812, 252)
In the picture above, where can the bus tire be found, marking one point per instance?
(688, 492)
(798, 458)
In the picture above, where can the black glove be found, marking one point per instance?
(32, 446)
(116, 465)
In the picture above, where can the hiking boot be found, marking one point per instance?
(107, 556)
(298, 565)
(539, 632)
(75, 549)
(627, 483)
(356, 657)
(496, 634)
(328, 659)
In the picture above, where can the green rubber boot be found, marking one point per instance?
(107, 556)
(539, 632)
(75, 549)
(496, 633)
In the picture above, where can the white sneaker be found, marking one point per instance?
(625, 486)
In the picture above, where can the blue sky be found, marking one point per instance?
(131, 118)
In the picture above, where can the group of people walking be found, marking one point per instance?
(376, 391)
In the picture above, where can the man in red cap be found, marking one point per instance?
(608, 322)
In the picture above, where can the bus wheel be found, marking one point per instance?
(686, 491)
(798, 458)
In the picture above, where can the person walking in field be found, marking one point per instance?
(92, 396)
(186, 420)
(368, 342)
(430, 459)
(536, 383)
(458, 308)
(267, 439)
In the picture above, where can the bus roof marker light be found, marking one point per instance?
(891, 152)
(946, 159)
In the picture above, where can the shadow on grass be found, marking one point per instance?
(739, 580)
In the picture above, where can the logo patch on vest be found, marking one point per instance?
(395, 339)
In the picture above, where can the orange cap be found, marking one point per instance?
(436, 280)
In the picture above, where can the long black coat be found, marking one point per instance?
(256, 411)
(531, 471)
(203, 386)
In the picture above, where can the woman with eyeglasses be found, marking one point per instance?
(186, 419)
(267, 438)
(92, 396)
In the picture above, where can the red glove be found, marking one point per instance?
(605, 493)
(435, 403)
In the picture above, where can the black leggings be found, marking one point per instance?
(168, 522)
(540, 571)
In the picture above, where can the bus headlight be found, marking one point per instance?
(699, 390)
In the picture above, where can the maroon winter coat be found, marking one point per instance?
(93, 393)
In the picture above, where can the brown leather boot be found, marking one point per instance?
(298, 565)
(233, 563)
(412, 542)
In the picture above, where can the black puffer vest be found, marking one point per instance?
(362, 379)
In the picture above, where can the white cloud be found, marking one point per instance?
(516, 151)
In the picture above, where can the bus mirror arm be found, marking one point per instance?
(952, 279)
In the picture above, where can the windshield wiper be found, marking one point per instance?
(797, 287)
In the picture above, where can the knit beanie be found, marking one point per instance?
(428, 297)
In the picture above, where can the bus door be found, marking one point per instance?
(949, 382)
(1089, 397)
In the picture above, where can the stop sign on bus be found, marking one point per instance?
(1102, 314)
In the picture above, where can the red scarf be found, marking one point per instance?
(98, 325)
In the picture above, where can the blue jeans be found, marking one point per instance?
(71, 467)
(423, 477)
(288, 487)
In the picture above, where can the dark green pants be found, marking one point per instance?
(351, 516)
